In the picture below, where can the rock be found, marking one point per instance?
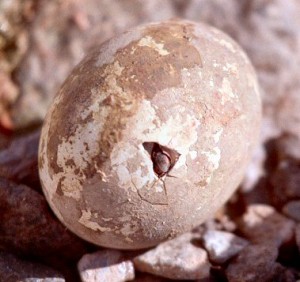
(14, 269)
(262, 224)
(105, 265)
(292, 210)
(175, 259)
(297, 233)
(28, 226)
(221, 246)
(254, 263)
(285, 183)
(19, 162)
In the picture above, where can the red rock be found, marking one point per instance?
(28, 226)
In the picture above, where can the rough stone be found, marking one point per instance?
(19, 162)
(285, 183)
(105, 265)
(254, 263)
(221, 246)
(262, 224)
(14, 269)
(27, 225)
(175, 259)
(292, 210)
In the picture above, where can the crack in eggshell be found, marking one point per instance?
(179, 132)
(163, 133)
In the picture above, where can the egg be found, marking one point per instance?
(150, 134)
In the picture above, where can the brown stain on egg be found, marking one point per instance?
(148, 71)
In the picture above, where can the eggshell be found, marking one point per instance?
(183, 86)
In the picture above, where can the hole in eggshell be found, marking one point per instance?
(163, 158)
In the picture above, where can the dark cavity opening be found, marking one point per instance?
(163, 158)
